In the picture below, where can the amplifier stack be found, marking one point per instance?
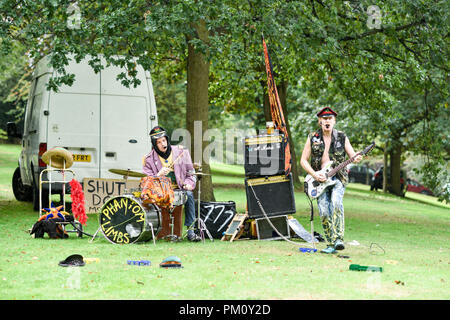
(266, 181)
(264, 155)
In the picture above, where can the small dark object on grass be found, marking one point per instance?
(74, 260)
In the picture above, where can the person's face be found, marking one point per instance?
(327, 123)
(161, 144)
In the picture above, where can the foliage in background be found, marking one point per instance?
(171, 103)
(373, 62)
(15, 79)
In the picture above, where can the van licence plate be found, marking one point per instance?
(81, 157)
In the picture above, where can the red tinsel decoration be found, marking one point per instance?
(77, 195)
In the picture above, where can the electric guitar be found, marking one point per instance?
(315, 188)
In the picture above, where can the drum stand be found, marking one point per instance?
(172, 237)
(95, 235)
(201, 226)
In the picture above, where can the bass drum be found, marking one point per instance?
(124, 219)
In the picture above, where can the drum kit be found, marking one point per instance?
(127, 219)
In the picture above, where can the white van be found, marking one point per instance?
(101, 122)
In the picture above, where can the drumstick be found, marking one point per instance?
(176, 160)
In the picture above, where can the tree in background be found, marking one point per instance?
(353, 54)
(370, 60)
(124, 34)
(14, 85)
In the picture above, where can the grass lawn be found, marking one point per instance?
(409, 237)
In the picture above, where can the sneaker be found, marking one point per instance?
(193, 237)
(328, 250)
(339, 245)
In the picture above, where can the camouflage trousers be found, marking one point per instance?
(331, 211)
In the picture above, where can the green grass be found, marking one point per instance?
(412, 232)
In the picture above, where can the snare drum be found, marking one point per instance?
(180, 197)
(124, 219)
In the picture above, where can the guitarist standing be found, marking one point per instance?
(325, 145)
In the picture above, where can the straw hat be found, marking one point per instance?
(58, 156)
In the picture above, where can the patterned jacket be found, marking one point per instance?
(183, 168)
(336, 151)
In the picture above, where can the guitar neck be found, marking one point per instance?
(345, 163)
(341, 166)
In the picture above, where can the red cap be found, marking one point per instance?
(326, 112)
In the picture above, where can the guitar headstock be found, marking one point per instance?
(368, 149)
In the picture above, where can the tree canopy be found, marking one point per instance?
(384, 64)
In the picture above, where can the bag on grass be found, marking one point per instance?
(48, 224)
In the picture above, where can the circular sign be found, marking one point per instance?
(122, 220)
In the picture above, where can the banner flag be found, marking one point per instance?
(275, 107)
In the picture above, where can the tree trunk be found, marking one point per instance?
(197, 106)
(395, 160)
(282, 93)
(266, 102)
(367, 174)
(385, 165)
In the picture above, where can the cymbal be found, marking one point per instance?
(128, 173)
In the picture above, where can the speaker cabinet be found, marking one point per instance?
(217, 216)
(266, 231)
(275, 193)
(264, 155)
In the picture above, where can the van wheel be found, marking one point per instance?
(21, 192)
(45, 203)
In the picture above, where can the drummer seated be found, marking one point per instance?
(174, 162)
